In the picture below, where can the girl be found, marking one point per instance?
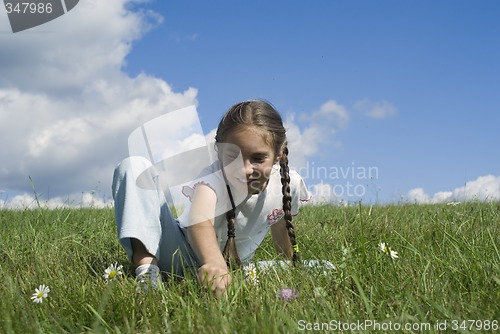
(200, 237)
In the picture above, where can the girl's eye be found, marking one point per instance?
(259, 159)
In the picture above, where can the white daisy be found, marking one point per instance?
(384, 248)
(112, 272)
(40, 293)
(387, 250)
(394, 254)
(251, 273)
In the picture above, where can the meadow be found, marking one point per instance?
(446, 277)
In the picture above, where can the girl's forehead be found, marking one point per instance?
(251, 137)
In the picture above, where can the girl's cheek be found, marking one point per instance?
(267, 172)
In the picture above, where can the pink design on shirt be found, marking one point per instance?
(189, 192)
(307, 200)
(275, 216)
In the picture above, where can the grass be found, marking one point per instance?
(448, 270)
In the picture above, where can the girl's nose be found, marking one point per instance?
(248, 168)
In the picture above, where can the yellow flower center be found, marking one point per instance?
(112, 274)
(39, 295)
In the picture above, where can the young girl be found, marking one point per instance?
(201, 237)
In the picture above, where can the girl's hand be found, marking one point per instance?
(213, 274)
(215, 277)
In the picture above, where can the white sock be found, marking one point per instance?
(148, 272)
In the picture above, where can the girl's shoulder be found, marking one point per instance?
(210, 176)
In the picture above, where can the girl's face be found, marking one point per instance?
(258, 158)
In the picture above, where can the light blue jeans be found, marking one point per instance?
(144, 214)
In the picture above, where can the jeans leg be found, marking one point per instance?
(143, 213)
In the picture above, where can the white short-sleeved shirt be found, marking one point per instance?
(255, 214)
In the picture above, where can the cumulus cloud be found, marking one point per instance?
(83, 200)
(324, 193)
(89, 42)
(320, 128)
(378, 110)
(66, 104)
(484, 188)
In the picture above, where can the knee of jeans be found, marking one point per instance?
(129, 169)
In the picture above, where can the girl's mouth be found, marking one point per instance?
(246, 180)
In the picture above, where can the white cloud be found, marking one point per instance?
(210, 136)
(91, 41)
(484, 188)
(302, 143)
(324, 193)
(66, 105)
(381, 109)
(320, 129)
(83, 200)
(332, 113)
(417, 195)
(187, 37)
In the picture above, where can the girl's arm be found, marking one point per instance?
(213, 272)
(281, 240)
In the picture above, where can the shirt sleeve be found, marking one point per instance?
(299, 191)
(211, 177)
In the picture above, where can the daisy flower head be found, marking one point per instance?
(40, 293)
(112, 272)
(287, 294)
(387, 250)
(384, 248)
(394, 254)
(251, 274)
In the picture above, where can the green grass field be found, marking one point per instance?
(446, 279)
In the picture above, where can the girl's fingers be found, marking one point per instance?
(218, 284)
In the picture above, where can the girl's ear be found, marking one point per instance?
(278, 158)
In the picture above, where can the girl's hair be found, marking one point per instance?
(262, 115)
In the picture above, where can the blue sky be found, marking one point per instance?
(407, 87)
